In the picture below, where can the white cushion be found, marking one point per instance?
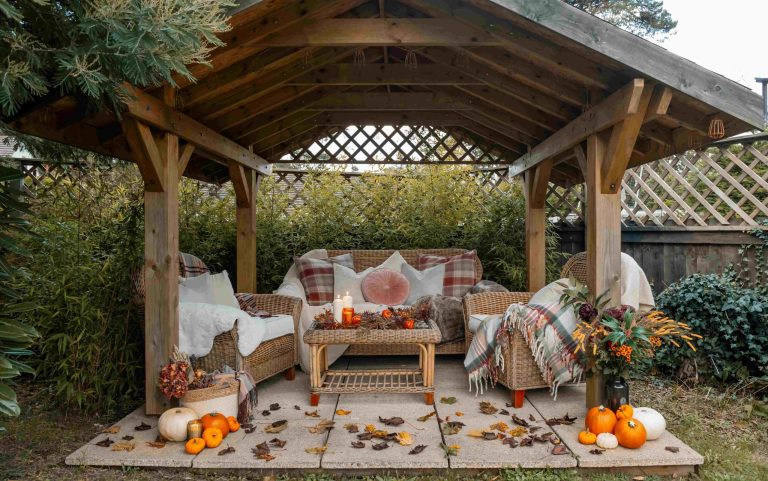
(428, 282)
(277, 326)
(346, 280)
(197, 289)
(394, 262)
(222, 290)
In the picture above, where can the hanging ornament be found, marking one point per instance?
(716, 129)
(410, 60)
(694, 141)
(359, 56)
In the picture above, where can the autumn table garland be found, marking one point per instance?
(388, 319)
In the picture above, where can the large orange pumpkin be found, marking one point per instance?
(625, 411)
(216, 420)
(630, 433)
(600, 420)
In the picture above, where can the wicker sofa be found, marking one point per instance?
(521, 371)
(279, 355)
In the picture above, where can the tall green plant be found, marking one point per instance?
(16, 337)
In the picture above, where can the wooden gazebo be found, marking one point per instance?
(556, 94)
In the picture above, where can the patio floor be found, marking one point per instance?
(341, 457)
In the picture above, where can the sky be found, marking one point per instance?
(725, 36)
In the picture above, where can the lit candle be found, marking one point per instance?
(347, 299)
(338, 305)
(346, 316)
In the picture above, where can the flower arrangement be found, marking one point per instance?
(620, 339)
(177, 377)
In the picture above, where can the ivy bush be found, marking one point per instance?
(732, 319)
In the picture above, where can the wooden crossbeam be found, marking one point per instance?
(607, 113)
(382, 101)
(154, 112)
(383, 74)
(369, 32)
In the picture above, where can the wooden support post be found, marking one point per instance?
(245, 182)
(535, 183)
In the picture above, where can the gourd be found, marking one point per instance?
(586, 437)
(625, 411)
(630, 433)
(600, 419)
(172, 424)
(652, 420)
(607, 441)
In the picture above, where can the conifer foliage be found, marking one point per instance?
(89, 48)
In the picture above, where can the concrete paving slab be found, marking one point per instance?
(289, 394)
(366, 409)
(570, 400)
(172, 455)
(476, 453)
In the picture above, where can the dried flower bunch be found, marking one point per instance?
(620, 339)
(177, 377)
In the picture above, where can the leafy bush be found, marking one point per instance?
(732, 319)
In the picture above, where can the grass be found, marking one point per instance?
(717, 424)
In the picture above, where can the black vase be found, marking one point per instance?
(616, 393)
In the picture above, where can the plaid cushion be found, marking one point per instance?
(191, 266)
(459, 271)
(316, 276)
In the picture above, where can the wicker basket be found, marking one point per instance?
(219, 398)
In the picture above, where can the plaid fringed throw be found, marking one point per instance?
(547, 328)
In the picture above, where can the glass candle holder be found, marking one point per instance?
(346, 316)
(194, 429)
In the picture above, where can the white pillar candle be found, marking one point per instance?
(338, 305)
(347, 299)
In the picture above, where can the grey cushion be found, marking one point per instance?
(487, 286)
(448, 314)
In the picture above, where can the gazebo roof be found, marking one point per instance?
(524, 81)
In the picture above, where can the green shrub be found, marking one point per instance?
(732, 319)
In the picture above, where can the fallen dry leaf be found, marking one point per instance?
(112, 430)
(226, 450)
(369, 428)
(426, 416)
(380, 446)
(274, 407)
(265, 456)
(278, 443)
(519, 421)
(343, 412)
(352, 428)
(448, 400)
(459, 414)
(316, 450)
(450, 450)
(451, 427)
(517, 432)
(266, 412)
(312, 414)
(394, 421)
(322, 426)
(157, 443)
(672, 449)
(500, 426)
(358, 444)
(504, 412)
(124, 446)
(531, 418)
(404, 438)
(487, 408)
(559, 450)
(565, 420)
(417, 449)
(296, 407)
(143, 427)
(511, 442)
(127, 438)
(365, 436)
(276, 426)
(596, 451)
(105, 443)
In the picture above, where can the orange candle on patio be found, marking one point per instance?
(346, 316)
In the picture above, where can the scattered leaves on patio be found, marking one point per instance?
(517, 432)
(500, 426)
(451, 427)
(520, 421)
(426, 417)
(352, 428)
(358, 444)
(322, 426)
(542, 438)
(274, 407)
(380, 446)
(504, 412)
(266, 412)
(565, 420)
(418, 449)
(261, 451)
(111, 430)
(459, 414)
(448, 400)
(487, 408)
(597, 451)
(226, 450)
(394, 421)
(276, 426)
(105, 443)
(343, 412)
(316, 450)
(559, 450)
(143, 427)
(277, 443)
(312, 414)
(124, 446)
(672, 449)
(450, 450)
(127, 438)
(404, 438)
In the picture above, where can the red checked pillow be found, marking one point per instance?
(316, 275)
(459, 272)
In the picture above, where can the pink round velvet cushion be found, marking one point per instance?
(383, 286)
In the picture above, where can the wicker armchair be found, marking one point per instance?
(521, 371)
(271, 357)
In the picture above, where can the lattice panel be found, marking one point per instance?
(401, 144)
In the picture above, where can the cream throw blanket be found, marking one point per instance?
(199, 323)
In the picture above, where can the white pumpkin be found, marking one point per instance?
(607, 441)
(173, 423)
(654, 422)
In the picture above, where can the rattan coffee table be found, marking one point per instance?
(349, 381)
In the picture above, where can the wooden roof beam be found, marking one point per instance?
(380, 32)
(155, 113)
(384, 74)
(607, 113)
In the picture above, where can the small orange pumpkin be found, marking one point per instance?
(586, 437)
(216, 420)
(212, 437)
(625, 411)
(600, 420)
(409, 323)
(194, 446)
(630, 433)
(357, 319)
(234, 426)
(386, 313)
